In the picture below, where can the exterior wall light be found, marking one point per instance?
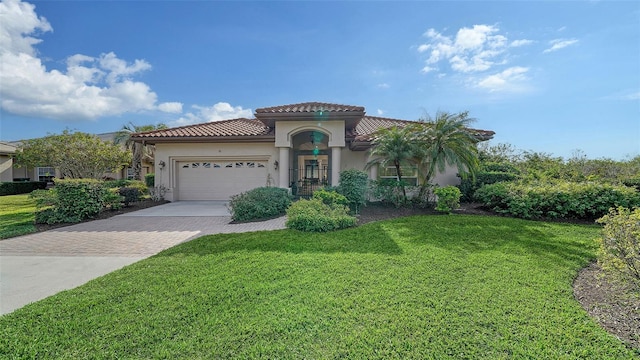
(161, 164)
(275, 164)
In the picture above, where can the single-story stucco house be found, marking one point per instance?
(299, 146)
(6, 161)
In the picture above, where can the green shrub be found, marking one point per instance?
(21, 187)
(557, 199)
(469, 186)
(389, 191)
(330, 197)
(122, 183)
(129, 194)
(315, 216)
(112, 200)
(150, 180)
(259, 203)
(71, 201)
(632, 182)
(448, 198)
(620, 245)
(353, 185)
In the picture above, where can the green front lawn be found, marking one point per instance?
(425, 287)
(16, 215)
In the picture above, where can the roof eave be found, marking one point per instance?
(205, 139)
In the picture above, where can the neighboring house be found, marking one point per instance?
(6, 161)
(44, 172)
(299, 146)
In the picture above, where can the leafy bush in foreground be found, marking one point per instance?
(620, 245)
(129, 194)
(259, 203)
(558, 199)
(314, 215)
(448, 198)
(330, 197)
(353, 185)
(70, 201)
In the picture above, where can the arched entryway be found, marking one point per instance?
(311, 162)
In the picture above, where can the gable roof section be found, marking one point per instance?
(234, 129)
(309, 107)
(350, 114)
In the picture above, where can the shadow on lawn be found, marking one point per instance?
(369, 239)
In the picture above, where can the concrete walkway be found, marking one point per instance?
(39, 265)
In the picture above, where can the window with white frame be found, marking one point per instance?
(45, 173)
(129, 173)
(409, 173)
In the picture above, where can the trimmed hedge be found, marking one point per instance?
(259, 203)
(559, 199)
(21, 187)
(316, 216)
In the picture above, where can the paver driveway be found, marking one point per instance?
(35, 266)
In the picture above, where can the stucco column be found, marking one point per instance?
(283, 167)
(335, 165)
(373, 172)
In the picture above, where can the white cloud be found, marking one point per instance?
(380, 112)
(383, 86)
(89, 88)
(558, 44)
(427, 69)
(18, 21)
(171, 107)
(424, 47)
(521, 42)
(473, 49)
(510, 79)
(217, 112)
(628, 95)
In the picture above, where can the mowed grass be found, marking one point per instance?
(16, 215)
(425, 287)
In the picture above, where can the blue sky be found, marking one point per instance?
(549, 76)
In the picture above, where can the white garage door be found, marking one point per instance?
(218, 180)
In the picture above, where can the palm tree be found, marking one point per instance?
(394, 146)
(139, 151)
(448, 141)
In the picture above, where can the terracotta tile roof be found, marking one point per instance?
(370, 124)
(247, 129)
(309, 107)
(227, 128)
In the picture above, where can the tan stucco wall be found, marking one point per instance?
(6, 162)
(171, 154)
(6, 168)
(285, 130)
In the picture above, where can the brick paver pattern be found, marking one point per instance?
(126, 236)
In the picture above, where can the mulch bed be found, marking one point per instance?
(616, 308)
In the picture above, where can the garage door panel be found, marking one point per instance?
(211, 180)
